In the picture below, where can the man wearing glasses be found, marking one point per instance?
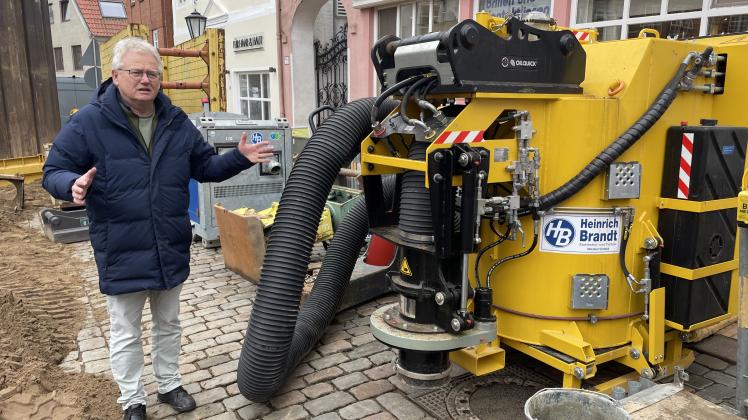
(129, 156)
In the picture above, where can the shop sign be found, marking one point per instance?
(248, 42)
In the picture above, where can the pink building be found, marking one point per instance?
(369, 20)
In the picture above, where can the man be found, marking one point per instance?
(129, 156)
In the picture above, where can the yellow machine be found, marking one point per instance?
(575, 203)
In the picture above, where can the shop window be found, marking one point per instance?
(599, 10)
(680, 6)
(609, 33)
(417, 18)
(387, 22)
(59, 64)
(728, 24)
(680, 29)
(77, 57)
(254, 95)
(729, 3)
(639, 8)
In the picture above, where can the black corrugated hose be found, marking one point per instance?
(279, 334)
(622, 143)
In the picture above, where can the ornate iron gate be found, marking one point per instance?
(330, 64)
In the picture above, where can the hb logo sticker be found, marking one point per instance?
(559, 232)
(256, 137)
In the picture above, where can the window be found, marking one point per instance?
(254, 95)
(154, 37)
(417, 18)
(112, 9)
(51, 13)
(64, 16)
(59, 64)
(77, 57)
(671, 18)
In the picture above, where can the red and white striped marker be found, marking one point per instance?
(449, 137)
(582, 36)
(684, 175)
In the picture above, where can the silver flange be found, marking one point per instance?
(427, 341)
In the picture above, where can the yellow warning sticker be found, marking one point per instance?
(405, 268)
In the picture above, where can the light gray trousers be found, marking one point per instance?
(126, 346)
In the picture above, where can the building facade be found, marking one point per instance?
(70, 37)
(157, 15)
(250, 28)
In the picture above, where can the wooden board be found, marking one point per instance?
(28, 95)
(681, 405)
(242, 242)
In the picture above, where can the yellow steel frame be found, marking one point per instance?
(29, 166)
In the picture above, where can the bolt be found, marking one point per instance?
(370, 149)
(483, 152)
(387, 317)
(440, 298)
(464, 159)
(578, 373)
(438, 156)
(405, 325)
(438, 178)
(647, 373)
(455, 324)
(650, 243)
(635, 354)
(370, 166)
(435, 328)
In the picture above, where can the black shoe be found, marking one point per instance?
(179, 399)
(135, 412)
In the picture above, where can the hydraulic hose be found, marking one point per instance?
(279, 334)
(623, 142)
(374, 115)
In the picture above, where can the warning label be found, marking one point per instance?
(405, 268)
(581, 234)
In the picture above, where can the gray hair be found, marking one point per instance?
(133, 44)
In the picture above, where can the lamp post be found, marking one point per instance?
(196, 24)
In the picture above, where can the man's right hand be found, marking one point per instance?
(80, 186)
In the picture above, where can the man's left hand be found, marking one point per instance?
(260, 152)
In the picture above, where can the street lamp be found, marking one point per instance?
(196, 24)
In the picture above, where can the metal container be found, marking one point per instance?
(578, 404)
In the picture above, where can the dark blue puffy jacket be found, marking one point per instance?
(137, 205)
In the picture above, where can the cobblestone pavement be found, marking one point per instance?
(347, 376)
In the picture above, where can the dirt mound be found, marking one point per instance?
(40, 316)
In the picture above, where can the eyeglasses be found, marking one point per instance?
(137, 74)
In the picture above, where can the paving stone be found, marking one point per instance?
(350, 380)
(233, 389)
(360, 410)
(213, 361)
(188, 368)
(380, 372)
(219, 323)
(210, 396)
(716, 393)
(223, 348)
(197, 376)
(97, 366)
(253, 411)
(327, 361)
(192, 388)
(302, 369)
(312, 355)
(366, 310)
(328, 416)
(382, 358)
(199, 345)
(293, 384)
(721, 378)
(287, 399)
(333, 336)
(203, 411)
(224, 416)
(91, 344)
(356, 365)
(193, 329)
(323, 375)
(698, 382)
(207, 311)
(711, 362)
(221, 380)
(362, 339)
(191, 357)
(358, 330)
(294, 412)
(91, 355)
(222, 314)
(381, 416)
(204, 335)
(372, 389)
(732, 370)
(697, 369)
(400, 406)
(88, 333)
(334, 347)
(229, 338)
(318, 390)
(227, 367)
(234, 326)
(367, 350)
(159, 411)
(329, 402)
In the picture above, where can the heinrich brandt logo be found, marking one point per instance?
(559, 232)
